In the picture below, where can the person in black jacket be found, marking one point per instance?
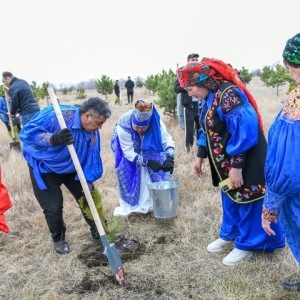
(129, 84)
(117, 92)
(22, 97)
(191, 108)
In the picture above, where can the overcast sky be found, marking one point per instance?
(68, 41)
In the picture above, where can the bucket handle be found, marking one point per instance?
(149, 178)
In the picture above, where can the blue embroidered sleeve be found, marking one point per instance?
(241, 121)
(37, 133)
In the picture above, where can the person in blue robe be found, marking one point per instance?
(282, 169)
(144, 153)
(50, 163)
(232, 138)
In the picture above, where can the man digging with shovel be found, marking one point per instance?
(50, 164)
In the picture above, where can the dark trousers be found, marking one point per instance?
(191, 123)
(130, 97)
(9, 129)
(51, 201)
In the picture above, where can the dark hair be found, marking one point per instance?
(192, 55)
(96, 107)
(209, 84)
(285, 62)
(7, 74)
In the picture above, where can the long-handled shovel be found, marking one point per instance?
(14, 145)
(110, 250)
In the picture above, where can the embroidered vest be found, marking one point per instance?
(217, 137)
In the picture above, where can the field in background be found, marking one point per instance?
(176, 264)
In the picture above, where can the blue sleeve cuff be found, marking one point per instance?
(238, 161)
(170, 151)
(140, 160)
(273, 201)
(202, 138)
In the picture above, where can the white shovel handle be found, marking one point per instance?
(77, 165)
(10, 118)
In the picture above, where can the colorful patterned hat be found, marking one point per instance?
(291, 52)
(141, 118)
(196, 73)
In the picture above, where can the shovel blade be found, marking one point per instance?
(15, 145)
(114, 260)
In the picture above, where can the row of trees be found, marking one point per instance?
(162, 84)
(272, 76)
(40, 92)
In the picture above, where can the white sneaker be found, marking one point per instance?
(218, 245)
(236, 256)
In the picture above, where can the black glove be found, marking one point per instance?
(168, 165)
(62, 138)
(154, 165)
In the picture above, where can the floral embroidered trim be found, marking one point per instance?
(246, 193)
(139, 160)
(230, 100)
(68, 115)
(268, 215)
(218, 152)
(237, 159)
(44, 138)
(170, 151)
(291, 107)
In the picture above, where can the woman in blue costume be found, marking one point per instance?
(50, 164)
(282, 168)
(232, 138)
(144, 152)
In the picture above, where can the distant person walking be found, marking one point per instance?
(117, 92)
(129, 84)
(22, 97)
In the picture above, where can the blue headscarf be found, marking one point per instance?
(152, 139)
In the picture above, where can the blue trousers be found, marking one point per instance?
(26, 118)
(242, 223)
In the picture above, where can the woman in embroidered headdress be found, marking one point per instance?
(144, 152)
(231, 136)
(282, 170)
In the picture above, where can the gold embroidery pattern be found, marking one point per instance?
(291, 107)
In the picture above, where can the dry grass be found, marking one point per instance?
(176, 265)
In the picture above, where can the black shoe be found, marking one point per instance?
(61, 247)
(96, 241)
(188, 148)
(291, 286)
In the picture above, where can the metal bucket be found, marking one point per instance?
(165, 197)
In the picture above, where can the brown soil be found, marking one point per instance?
(93, 256)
